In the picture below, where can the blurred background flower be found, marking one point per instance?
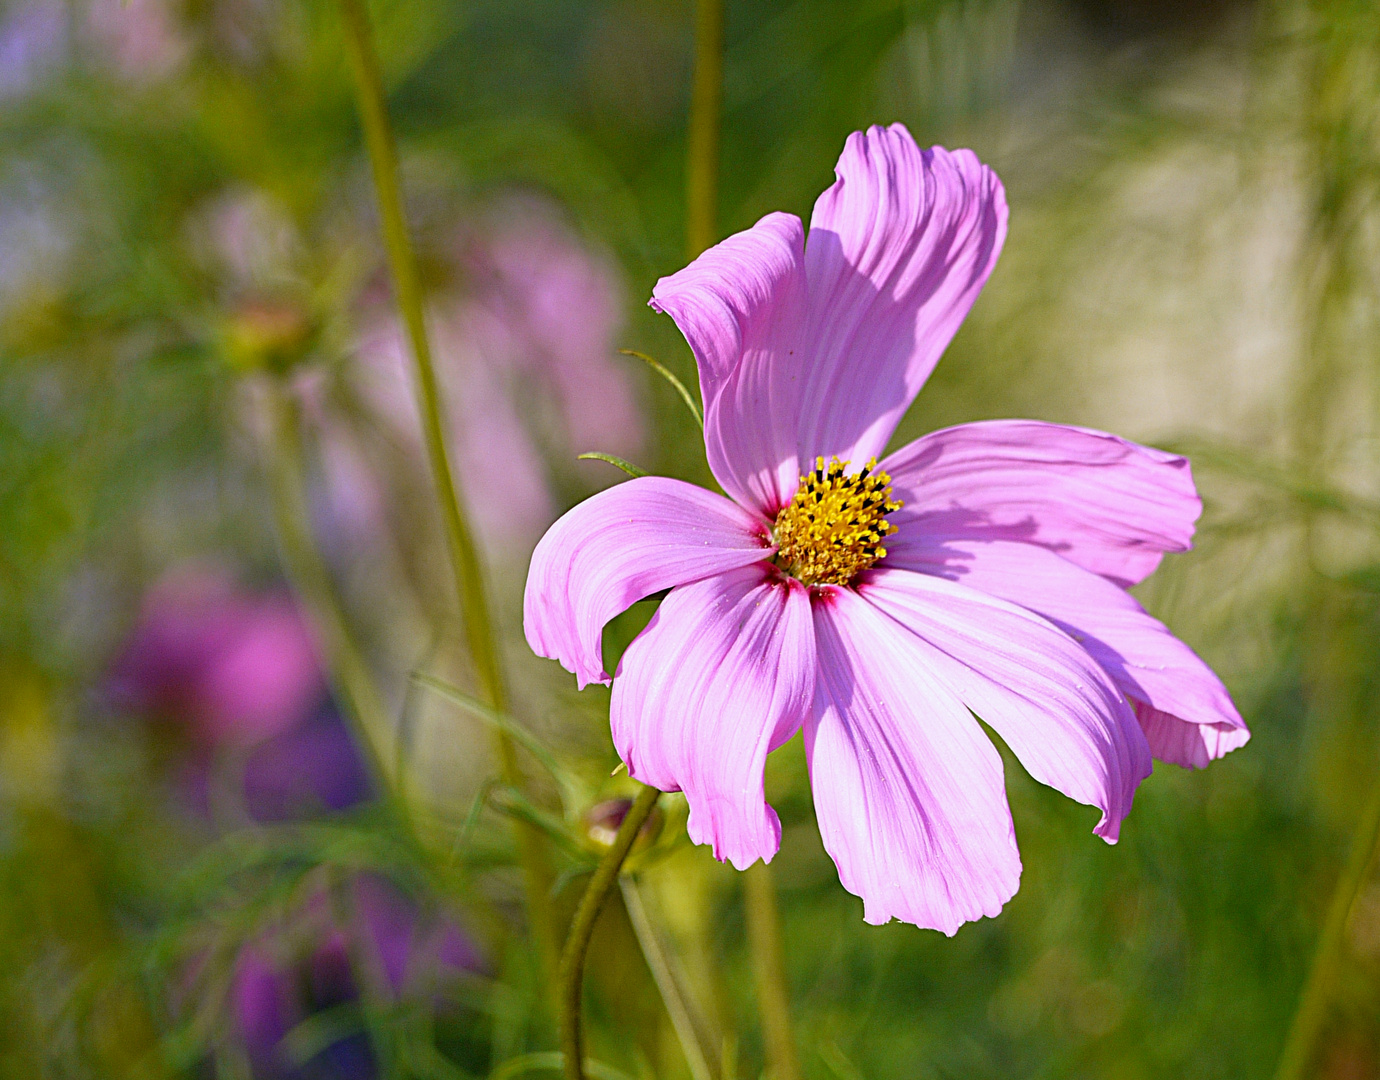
(234, 668)
(236, 673)
(318, 965)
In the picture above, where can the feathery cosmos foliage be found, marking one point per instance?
(979, 570)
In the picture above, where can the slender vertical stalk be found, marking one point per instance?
(773, 1002)
(1322, 977)
(464, 557)
(706, 107)
(701, 230)
(348, 670)
(572, 970)
(666, 982)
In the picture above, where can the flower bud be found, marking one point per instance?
(603, 819)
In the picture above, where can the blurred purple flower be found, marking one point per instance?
(235, 668)
(33, 34)
(306, 966)
(308, 769)
(982, 567)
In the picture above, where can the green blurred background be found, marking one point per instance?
(187, 236)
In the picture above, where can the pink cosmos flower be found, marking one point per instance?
(978, 571)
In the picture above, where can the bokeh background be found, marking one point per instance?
(198, 873)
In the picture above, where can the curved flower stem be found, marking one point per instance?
(1322, 977)
(773, 1002)
(312, 580)
(706, 105)
(572, 971)
(464, 557)
(666, 982)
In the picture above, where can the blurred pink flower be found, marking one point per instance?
(499, 469)
(556, 309)
(234, 667)
(140, 40)
(979, 568)
(526, 357)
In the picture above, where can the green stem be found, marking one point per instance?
(1322, 977)
(572, 971)
(350, 673)
(773, 1002)
(677, 1008)
(460, 545)
(706, 106)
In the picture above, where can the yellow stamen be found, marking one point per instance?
(833, 529)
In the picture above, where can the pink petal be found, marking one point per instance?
(899, 248)
(620, 545)
(1190, 745)
(722, 675)
(1157, 671)
(1111, 506)
(908, 790)
(1056, 709)
(741, 306)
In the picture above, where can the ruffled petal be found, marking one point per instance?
(1186, 713)
(899, 248)
(1191, 745)
(616, 547)
(908, 789)
(741, 306)
(722, 675)
(1111, 506)
(1051, 702)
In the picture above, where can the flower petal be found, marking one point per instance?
(722, 675)
(1166, 681)
(1056, 709)
(1182, 743)
(899, 248)
(620, 545)
(741, 306)
(1111, 506)
(908, 789)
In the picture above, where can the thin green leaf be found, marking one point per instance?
(320, 1031)
(510, 801)
(476, 808)
(569, 874)
(503, 722)
(838, 1062)
(1285, 478)
(666, 373)
(617, 462)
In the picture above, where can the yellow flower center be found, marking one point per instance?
(833, 529)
